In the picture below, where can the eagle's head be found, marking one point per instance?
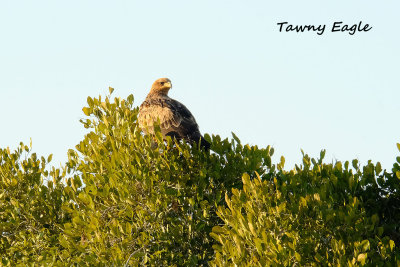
(161, 86)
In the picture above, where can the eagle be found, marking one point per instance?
(176, 120)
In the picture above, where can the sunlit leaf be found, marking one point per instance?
(111, 90)
(86, 110)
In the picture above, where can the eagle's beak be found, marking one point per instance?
(169, 85)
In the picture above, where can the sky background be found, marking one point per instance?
(228, 63)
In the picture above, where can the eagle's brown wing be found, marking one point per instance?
(175, 119)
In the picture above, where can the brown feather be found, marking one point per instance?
(175, 119)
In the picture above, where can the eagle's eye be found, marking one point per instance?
(162, 83)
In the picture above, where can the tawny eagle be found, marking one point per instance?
(175, 119)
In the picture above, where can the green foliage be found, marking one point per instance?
(317, 214)
(124, 198)
(30, 217)
(145, 201)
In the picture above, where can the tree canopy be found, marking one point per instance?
(124, 198)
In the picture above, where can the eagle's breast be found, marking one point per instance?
(154, 109)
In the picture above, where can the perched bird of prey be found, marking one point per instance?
(175, 119)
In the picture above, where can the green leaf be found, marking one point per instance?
(380, 231)
(50, 157)
(130, 99)
(355, 164)
(398, 146)
(391, 244)
(138, 255)
(128, 228)
(235, 137)
(89, 100)
(111, 90)
(218, 229)
(86, 110)
(63, 241)
(378, 168)
(322, 154)
(362, 257)
(245, 178)
(375, 219)
(314, 161)
(251, 227)
(365, 245)
(258, 244)
(303, 202)
(297, 256)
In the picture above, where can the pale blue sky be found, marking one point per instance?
(227, 61)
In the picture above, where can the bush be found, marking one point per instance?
(145, 201)
(30, 216)
(317, 214)
(128, 199)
